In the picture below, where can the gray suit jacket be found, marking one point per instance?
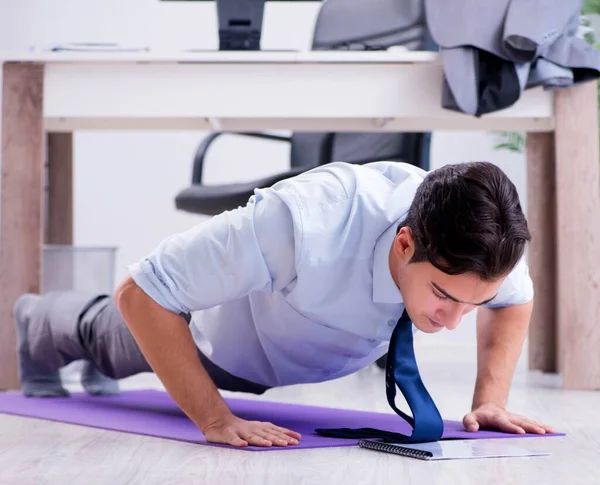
(492, 51)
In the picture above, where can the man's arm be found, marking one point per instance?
(220, 260)
(501, 333)
(165, 340)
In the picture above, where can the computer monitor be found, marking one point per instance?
(240, 23)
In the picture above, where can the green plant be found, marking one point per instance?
(590, 6)
(513, 141)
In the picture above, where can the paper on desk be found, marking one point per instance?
(92, 47)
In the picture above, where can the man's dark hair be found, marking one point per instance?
(467, 218)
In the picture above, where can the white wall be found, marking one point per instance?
(125, 182)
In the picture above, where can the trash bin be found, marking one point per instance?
(82, 268)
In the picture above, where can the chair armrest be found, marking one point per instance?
(207, 142)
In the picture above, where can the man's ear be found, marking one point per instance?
(404, 245)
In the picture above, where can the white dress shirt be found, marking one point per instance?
(296, 287)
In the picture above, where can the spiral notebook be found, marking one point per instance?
(452, 449)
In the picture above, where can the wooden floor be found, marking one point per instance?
(40, 452)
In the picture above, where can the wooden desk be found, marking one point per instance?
(55, 94)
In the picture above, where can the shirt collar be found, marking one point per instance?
(398, 204)
(384, 286)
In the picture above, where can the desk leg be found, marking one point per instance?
(541, 215)
(59, 227)
(578, 235)
(21, 201)
(59, 214)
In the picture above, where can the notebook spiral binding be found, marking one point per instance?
(396, 449)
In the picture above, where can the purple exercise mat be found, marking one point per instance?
(154, 413)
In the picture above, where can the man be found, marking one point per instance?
(304, 284)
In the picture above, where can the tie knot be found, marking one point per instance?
(404, 318)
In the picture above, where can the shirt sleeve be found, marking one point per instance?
(225, 258)
(516, 289)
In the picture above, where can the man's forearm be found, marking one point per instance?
(165, 340)
(500, 336)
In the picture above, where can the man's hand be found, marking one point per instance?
(235, 431)
(492, 416)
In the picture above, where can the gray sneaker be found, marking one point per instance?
(34, 382)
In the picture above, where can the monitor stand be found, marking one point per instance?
(240, 24)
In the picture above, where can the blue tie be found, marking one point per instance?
(402, 370)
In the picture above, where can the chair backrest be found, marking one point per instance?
(310, 149)
(362, 25)
(370, 24)
(368, 147)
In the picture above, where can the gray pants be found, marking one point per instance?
(69, 326)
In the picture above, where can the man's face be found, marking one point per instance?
(435, 300)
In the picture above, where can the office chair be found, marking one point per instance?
(340, 25)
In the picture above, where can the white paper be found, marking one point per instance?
(467, 449)
(92, 47)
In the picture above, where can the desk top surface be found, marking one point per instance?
(209, 56)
